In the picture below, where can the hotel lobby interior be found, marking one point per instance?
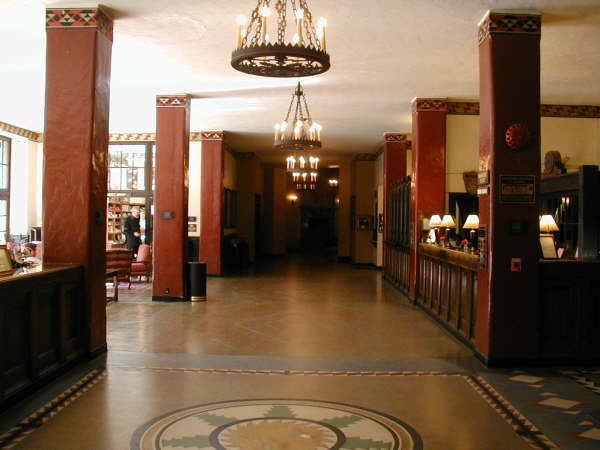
(397, 210)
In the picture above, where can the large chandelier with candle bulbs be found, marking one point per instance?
(298, 132)
(261, 43)
(303, 170)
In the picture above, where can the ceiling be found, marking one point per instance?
(383, 53)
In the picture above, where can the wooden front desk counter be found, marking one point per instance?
(42, 327)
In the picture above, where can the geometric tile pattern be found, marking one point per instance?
(522, 426)
(509, 23)
(27, 426)
(211, 135)
(587, 378)
(80, 18)
(429, 104)
(31, 135)
(526, 379)
(559, 403)
(171, 101)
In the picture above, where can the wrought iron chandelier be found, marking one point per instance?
(259, 53)
(302, 133)
(304, 171)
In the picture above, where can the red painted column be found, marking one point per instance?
(211, 209)
(171, 196)
(78, 56)
(428, 184)
(394, 169)
(509, 78)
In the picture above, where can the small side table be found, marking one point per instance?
(114, 274)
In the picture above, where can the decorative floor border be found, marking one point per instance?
(522, 426)
(27, 426)
(344, 373)
(580, 377)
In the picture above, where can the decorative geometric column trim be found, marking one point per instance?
(505, 22)
(575, 111)
(396, 137)
(80, 18)
(429, 104)
(172, 101)
(463, 108)
(23, 132)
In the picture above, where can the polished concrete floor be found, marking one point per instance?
(301, 352)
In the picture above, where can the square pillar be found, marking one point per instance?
(78, 59)
(171, 196)
(211, 192)
(509, 149)
(428, 183)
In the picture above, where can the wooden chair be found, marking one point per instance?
(142, 266)
(120, 259)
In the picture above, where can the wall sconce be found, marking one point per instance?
(292, 198)
(333, 182)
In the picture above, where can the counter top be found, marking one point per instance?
(29, 272)
(466, 260)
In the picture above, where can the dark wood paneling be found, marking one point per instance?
(448, 286)
(41, 327)
(569, 310)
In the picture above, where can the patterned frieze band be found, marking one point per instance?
(172, 101)
(79, 18)
(396, 137)
(429, 104)
(509, 23)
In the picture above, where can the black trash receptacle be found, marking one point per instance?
(197, 281)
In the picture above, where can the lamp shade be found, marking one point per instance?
(448, 221)
(472, 222)
(435, 221)
(547, 224)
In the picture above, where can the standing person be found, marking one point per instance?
(131, 227)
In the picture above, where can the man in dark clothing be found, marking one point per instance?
(131, 227)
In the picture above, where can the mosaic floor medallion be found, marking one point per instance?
(275, 425)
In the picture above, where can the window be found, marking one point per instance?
(4, 187)
(127, 170)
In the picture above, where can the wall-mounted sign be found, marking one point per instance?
(364, 222)
(517, 189)
(483, 177)
(192, 219)
(192, 228)
(483, 190)
(167, 214)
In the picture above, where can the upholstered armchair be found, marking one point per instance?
(142, 266)
(120, 259)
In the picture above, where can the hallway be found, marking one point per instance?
(300, 353)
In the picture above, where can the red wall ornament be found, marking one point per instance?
(517, 136)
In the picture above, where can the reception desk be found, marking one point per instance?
(447, 287)
(42, 327)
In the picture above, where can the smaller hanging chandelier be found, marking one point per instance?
(267, 55)
(304, 171)
(302, 133)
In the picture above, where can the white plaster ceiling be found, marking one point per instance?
(383, 53)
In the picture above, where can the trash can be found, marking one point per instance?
(197, 281)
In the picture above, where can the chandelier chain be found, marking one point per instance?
(282, 21)
(254, 19)
(308, 25)
(306, 107)
(287, 117)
